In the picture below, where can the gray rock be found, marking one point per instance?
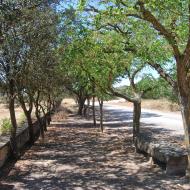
(174, 157)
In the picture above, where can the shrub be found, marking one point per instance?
(22, 119)
(6, 126)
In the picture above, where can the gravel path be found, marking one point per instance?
(76, 156)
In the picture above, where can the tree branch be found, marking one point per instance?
(163, 74)
(117, 28)
(115, 93)
(92, 9)
(124, 4)
(170, 37)
(147, 90)
(186, 58)
(135, 73)
(132, 76)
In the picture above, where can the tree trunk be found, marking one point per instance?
(80, 108)
(37, 113)
(40, 123)
(45, 122)
(85, 110)
(183, 81)
(101, 114)
(48, 118)
(136, 118)
(30, 127)
(81, 102)
(185, 111)
(45, 119)
(13, 144)
(54, 105)
(49, 110)
(88, 108)
(28, 116)
(94, 110)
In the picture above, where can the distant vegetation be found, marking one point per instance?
(160, 90)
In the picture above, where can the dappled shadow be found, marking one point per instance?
(113, 115)
(162, 135)
(78, 156)
(11, 161)
(6, 186)
(114, 118)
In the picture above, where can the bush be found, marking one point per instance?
(22, 119)
(6, 126)
(161, 90)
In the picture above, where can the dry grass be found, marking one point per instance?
(161, 104)
(68, 101)
(4, 111)
(69, 104)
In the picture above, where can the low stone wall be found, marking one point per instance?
(4, 153)
(174, 157)
(22, 138)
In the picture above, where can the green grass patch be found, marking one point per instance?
(5, 126)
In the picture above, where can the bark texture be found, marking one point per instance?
(101, 114)
(28, 116)
(13, 143)
(136, 118)
(94, 111)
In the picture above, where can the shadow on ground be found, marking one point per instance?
(124, 119)
(75, 155)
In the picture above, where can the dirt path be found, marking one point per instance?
(76, 156)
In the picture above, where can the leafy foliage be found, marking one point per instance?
(160, 89)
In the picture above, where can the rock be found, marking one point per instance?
(174, 157)
(177, 165)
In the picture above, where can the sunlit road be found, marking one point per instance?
(157, 119)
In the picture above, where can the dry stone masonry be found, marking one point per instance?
(174, 157)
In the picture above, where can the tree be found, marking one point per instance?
(168, 26)
(18, 30)
(39, 57)
(86, 74)
(134, 94)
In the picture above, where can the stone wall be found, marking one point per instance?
(174, 157)
(22, 139)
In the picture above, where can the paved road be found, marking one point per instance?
(156, 119)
